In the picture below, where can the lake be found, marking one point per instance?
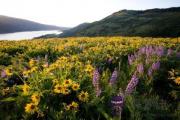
(26, 35)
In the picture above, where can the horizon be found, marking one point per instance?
(51, 12)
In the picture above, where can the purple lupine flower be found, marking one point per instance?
(130, 59)
(142, 50)
(98, 91)
(113, 77)
(156, 66)
(109, 61)
(96, 77)
(150, 72)
(169, 52)
(117, 105)
(149, 51)
(131, 85)
(160, 51)
(140, 68)
(3, 74)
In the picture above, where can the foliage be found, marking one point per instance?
(148, 23)
(129, 78)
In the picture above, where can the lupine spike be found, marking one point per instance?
(131, 85)
(160, 51)
(140, 68)
(156, 66)
(96, 77)
(150, 72)
(117, 105)
(3, 73)
(98, 91)
(169, 52)
(113, 77)
(130, 59)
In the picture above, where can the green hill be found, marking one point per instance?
(10, 24)
(153, 23)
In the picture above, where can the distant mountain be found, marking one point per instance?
(152, 23)
(10, 24)
(67, 32)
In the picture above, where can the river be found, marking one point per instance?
(26, 35)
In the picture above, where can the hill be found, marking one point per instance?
(147, 23)
(10, 24)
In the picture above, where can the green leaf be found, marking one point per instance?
(9, 99)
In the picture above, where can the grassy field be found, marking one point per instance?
(99, 78)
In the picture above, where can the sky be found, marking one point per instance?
(69, 13)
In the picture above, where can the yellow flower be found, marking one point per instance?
(89, 68)
(25, 89)
(75, 86)
(30, 108)
(83, 96)
(177, 80)
(59, 88)
(35, 98)
(67, 83)
(33, 69)
(26, 73)
(55, 81)
(32, 62)
(63, 59)
(8, 72)
(72, 106)
(66, 91)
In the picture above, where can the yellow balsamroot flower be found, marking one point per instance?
(177, 80)
(67, 83)
(8, 72)
(55, 81)
(74, 58)
(75, 86)
(30, 108)
(73, 106)
(89, 68)
(63, 59)
(33, 69)
(59, 88)
(26, 73)
(83, 96)
(35, 98)
(66, 91)
(32, 62)
(25, 89)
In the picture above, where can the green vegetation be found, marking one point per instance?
(104, 78)
(149, 23)
(10, 24)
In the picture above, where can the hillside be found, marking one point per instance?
(153, 23)
(10, 24)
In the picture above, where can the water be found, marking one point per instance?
(26, 35)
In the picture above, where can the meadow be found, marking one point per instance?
(90, 78)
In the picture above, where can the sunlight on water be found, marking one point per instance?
(26, 35)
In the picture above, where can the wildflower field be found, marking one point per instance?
(98, 78)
